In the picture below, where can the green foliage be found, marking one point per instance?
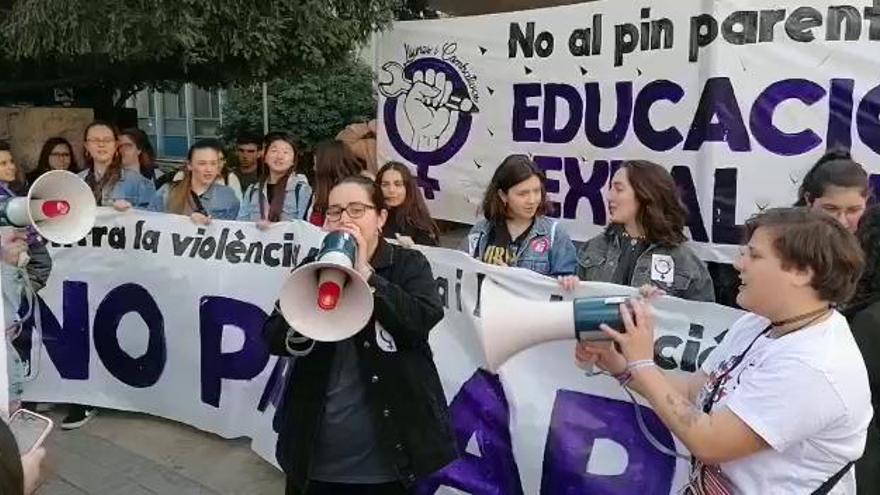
(139, 43)
(314, 106)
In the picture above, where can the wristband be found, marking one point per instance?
(635, 365)
(623, 378)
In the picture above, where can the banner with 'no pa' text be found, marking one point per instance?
(152, 313)
(737, 98)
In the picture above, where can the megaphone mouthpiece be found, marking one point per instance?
(49, 209)
(330, 282)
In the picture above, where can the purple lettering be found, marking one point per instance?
(578, 422)
(656, 91)
(718, 101)
(761, 120)
(244, 364)
(480, 410)
(141, 372)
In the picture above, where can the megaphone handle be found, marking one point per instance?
(23, 259)
(293, 338)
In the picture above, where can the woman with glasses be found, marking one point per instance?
(281, 194)
(372, 405)
(198, 195)
(112, 184)
(57, 154)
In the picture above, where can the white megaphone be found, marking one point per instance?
(511, 328)
(328, 300)
(59, 206)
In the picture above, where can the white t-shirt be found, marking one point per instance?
(806, 394)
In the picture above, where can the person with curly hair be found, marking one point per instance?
(644, 246)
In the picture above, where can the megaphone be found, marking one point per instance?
(508, 329)
(328, 300)
(59, 206)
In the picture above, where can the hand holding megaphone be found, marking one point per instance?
(511, 326)
(635, 340)
(13, 245)
(59, 206)
(329, 299)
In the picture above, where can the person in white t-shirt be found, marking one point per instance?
(782, 406)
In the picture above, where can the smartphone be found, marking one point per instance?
(30, 429)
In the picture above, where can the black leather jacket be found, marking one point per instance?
(404, 393)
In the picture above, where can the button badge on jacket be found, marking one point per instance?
(384, 339)
(662, 268)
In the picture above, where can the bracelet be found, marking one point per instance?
(644, 363)
(627, 376)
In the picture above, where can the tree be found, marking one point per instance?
(112, 47)
(415, 9)
(314, 107)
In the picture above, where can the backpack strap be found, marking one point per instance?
(553, 232)
(832, 481)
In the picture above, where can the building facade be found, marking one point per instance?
(175, 120)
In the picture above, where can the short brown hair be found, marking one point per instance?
(806, 239)
(513, 170)
(661, 214)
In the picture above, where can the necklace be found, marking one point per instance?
(811, 317)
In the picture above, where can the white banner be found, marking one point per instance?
(738, 98)
(157, 315)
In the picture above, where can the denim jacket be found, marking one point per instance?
(297, 199)
(559, 258)
(132, 187)
(219, 201)
(675, 269)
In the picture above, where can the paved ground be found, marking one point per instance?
(134, 454)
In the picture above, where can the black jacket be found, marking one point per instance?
(395, 225)
(864, 321)
(403, 388)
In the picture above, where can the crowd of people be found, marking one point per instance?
(783, 405)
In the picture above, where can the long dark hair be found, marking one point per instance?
(147, 157)
(868, 288)
(179, 195)
(18, 185)
(661, 214)
(513, 170)
(279, 189)
(113, 174)
(43, 162)
(412, 212)
(835, 168)
(334, 161)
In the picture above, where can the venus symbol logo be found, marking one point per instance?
(429, 108)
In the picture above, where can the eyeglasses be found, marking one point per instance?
(101, 141)
(60, 155)
(354, 210)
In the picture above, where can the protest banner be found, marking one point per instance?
(736, 98)
(152, 313)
